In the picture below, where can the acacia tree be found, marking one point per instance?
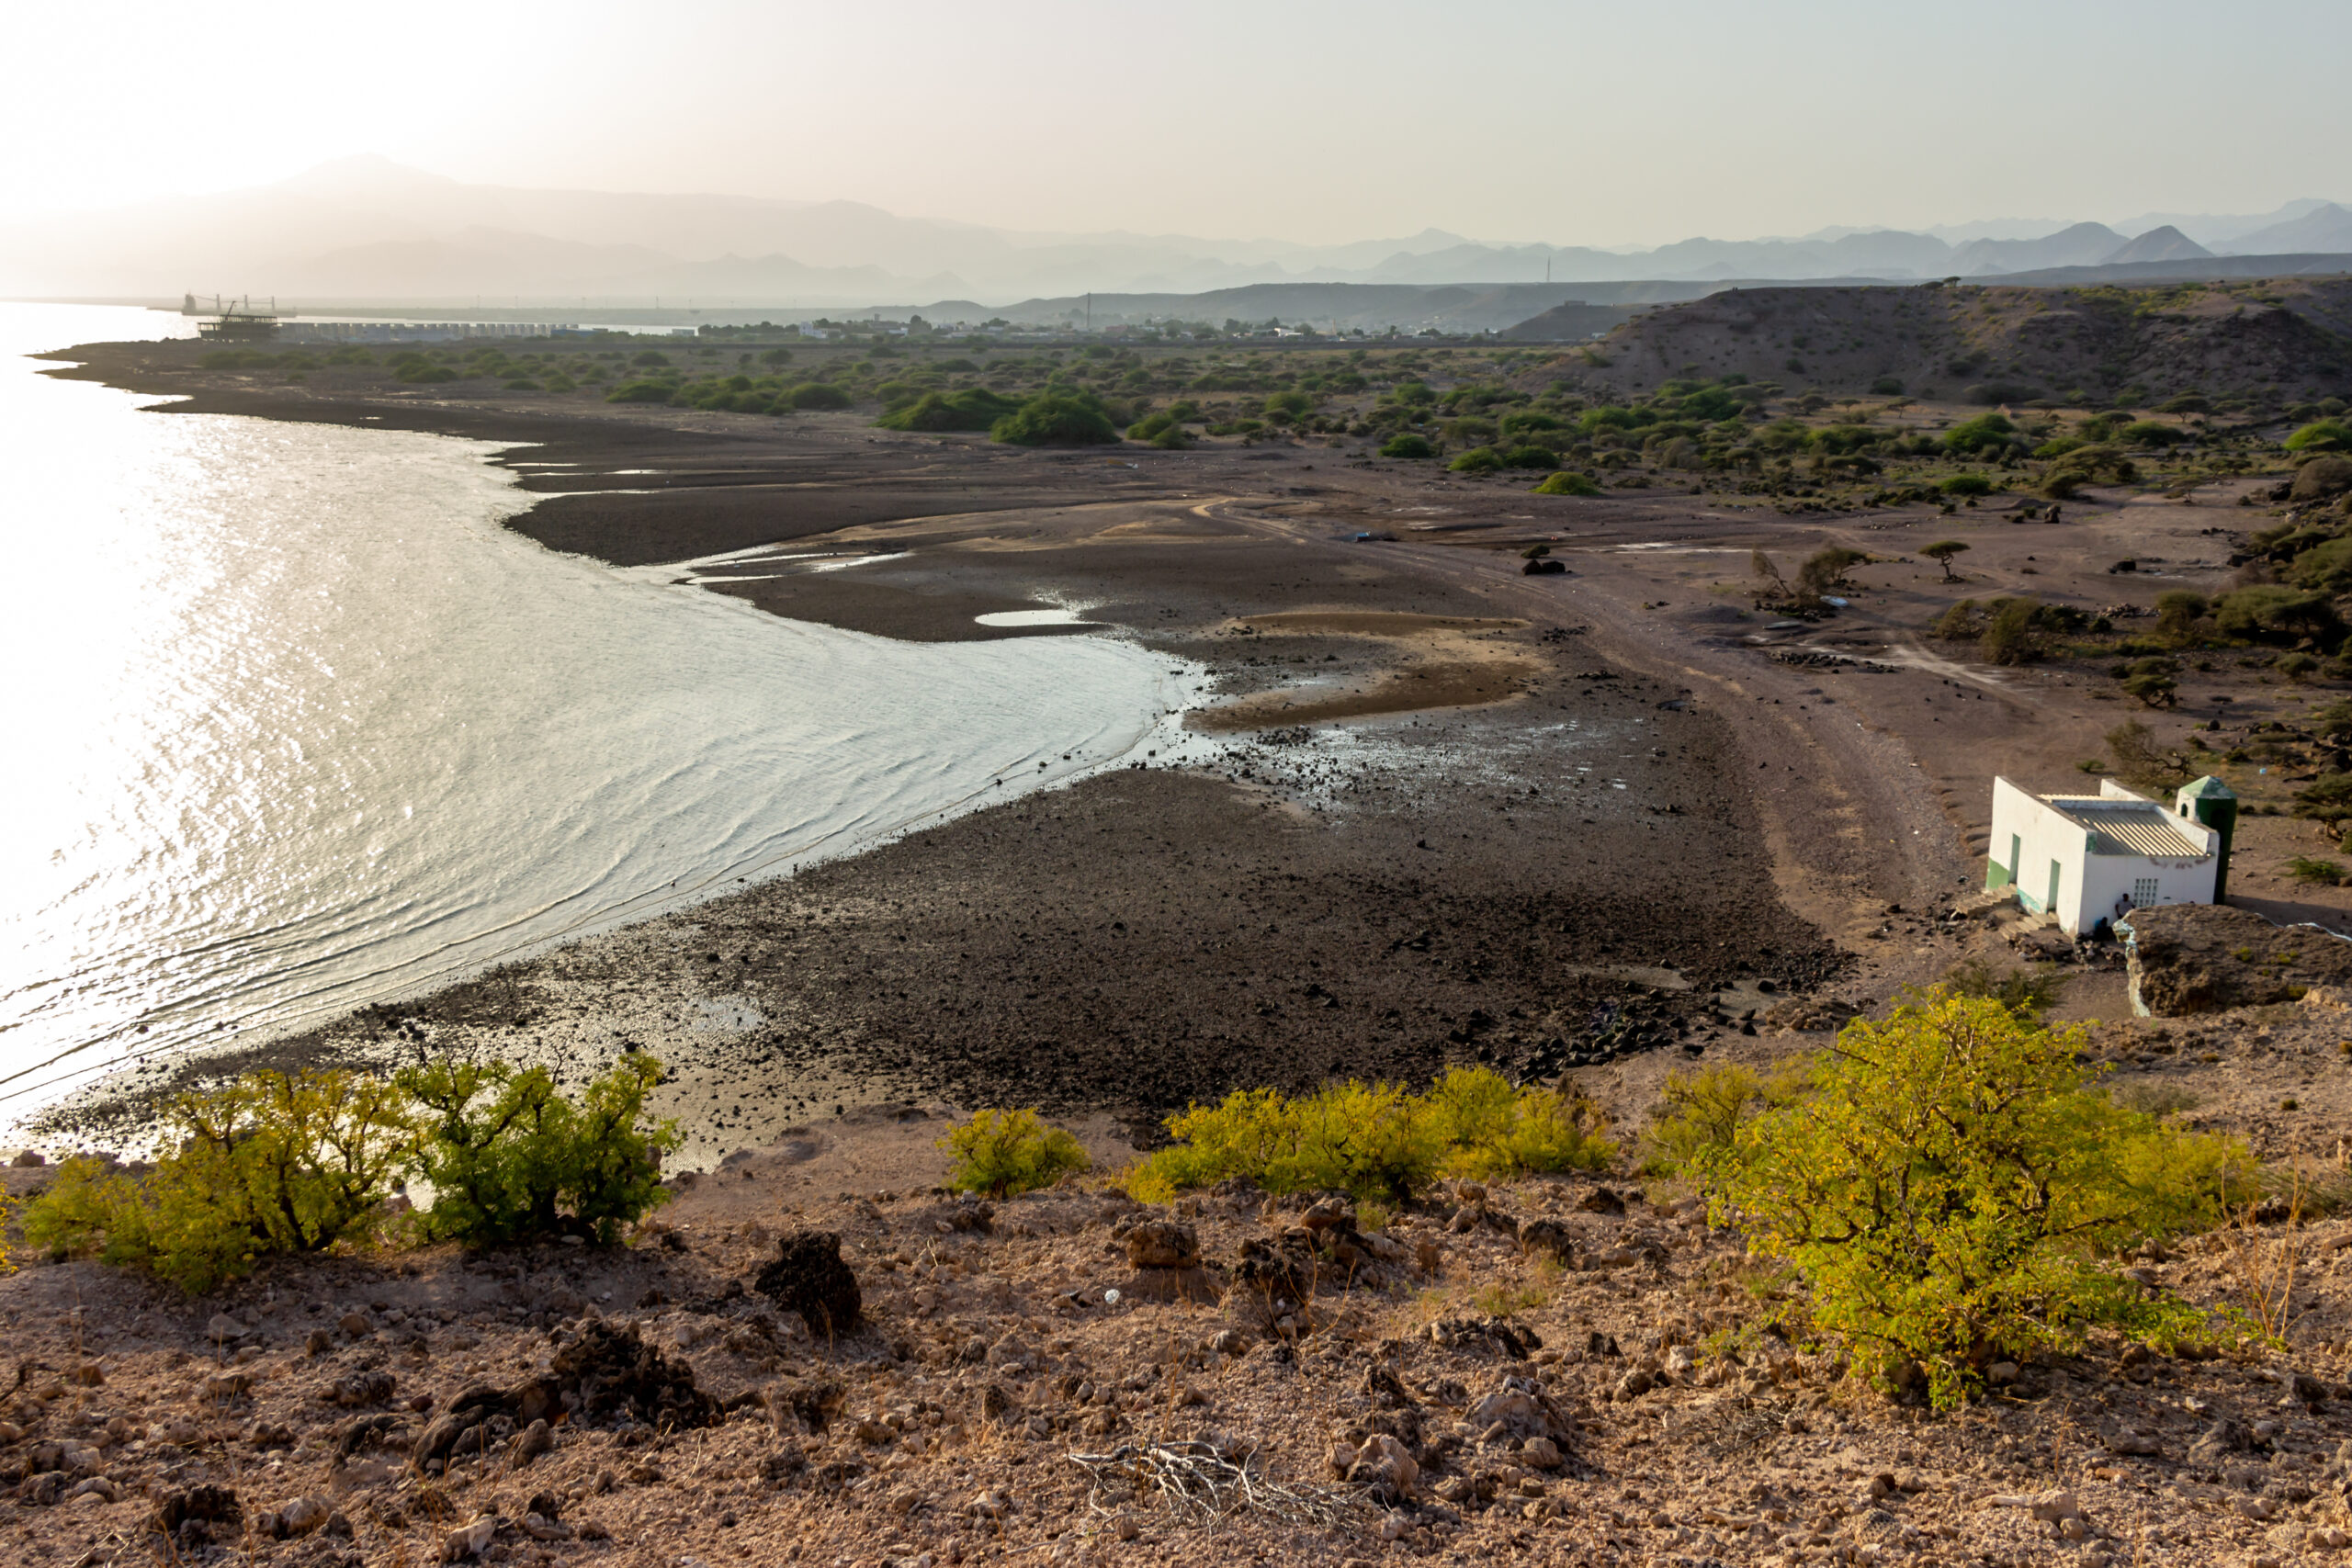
(1941, 552)
(1953, 1190)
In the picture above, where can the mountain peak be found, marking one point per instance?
(2164, 244)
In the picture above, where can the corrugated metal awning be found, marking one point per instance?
(2129, 827)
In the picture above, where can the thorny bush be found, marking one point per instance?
(1951, 1188)
(1004, 1152)
(304, 1162)
(1378, 1141)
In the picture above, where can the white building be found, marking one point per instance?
(2088, 858)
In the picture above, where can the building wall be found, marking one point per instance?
(2043, 836)
(2088, 884)
(2107, 878)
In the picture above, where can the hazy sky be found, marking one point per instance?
(1567, 122)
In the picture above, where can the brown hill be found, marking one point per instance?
(2280, 339)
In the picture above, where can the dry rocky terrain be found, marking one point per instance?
(1556, 1371)
(2289, 337)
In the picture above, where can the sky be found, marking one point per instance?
(1565, 122)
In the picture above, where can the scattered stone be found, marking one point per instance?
(1159, 1243)
(535, 1439)
(361, 1388)
(1547, 1238)
(202, 1507)
(808, 1277)
(355, 1323)
(469, 1540)
(1383, 1465)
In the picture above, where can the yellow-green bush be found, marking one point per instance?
(1952, 1188)
(273, 1162)
(1003, 1152)
(1703, 1110)
(509, 1156)
(1378, 1141)
(1492, 1129)
(302, 1162)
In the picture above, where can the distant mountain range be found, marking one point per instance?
(366, 229)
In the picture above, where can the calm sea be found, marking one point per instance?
(289, 722)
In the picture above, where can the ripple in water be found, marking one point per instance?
(294, 724)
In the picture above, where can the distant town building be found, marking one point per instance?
(2085, 859)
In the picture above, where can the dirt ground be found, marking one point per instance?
(1607, 1395)
(1362, 882)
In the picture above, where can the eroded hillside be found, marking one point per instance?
(2280, 339)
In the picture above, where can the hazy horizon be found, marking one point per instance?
(1311, 124)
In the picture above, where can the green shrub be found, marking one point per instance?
(1164, 430)
(1407, 445)
(1530, 456)
(1489, 1130)
(2152, 432)
(1986, 432)
(2322, 435)
(560, 382)
(2325, 872)
(2269, 611)
(2011, 635)
(1968, 484)
(1377, 1142)
(815, 395)
(2180, 615)
(1478, 460)
(425, 374)
(270, 1163)
(1004, 1152)
(1284, 407)
(642, 392)
(974, 407)
(1371, 1140)
(1949, 1186)
(1063, 417)
(1568, 484)
(1827, 568)
(509, 1156)
(1699, 1112)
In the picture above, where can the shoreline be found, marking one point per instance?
(1371, 648)
(962, 961)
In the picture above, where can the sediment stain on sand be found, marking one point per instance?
(1449, 662)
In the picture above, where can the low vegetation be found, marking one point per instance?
(305, 1162)
(1057, 418)
(1378, 1141)
(1002, 1152)
(1953, 1189)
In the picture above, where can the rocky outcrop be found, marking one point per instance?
(809, 1278)
(2196, 958)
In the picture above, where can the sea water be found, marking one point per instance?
(289, 722)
